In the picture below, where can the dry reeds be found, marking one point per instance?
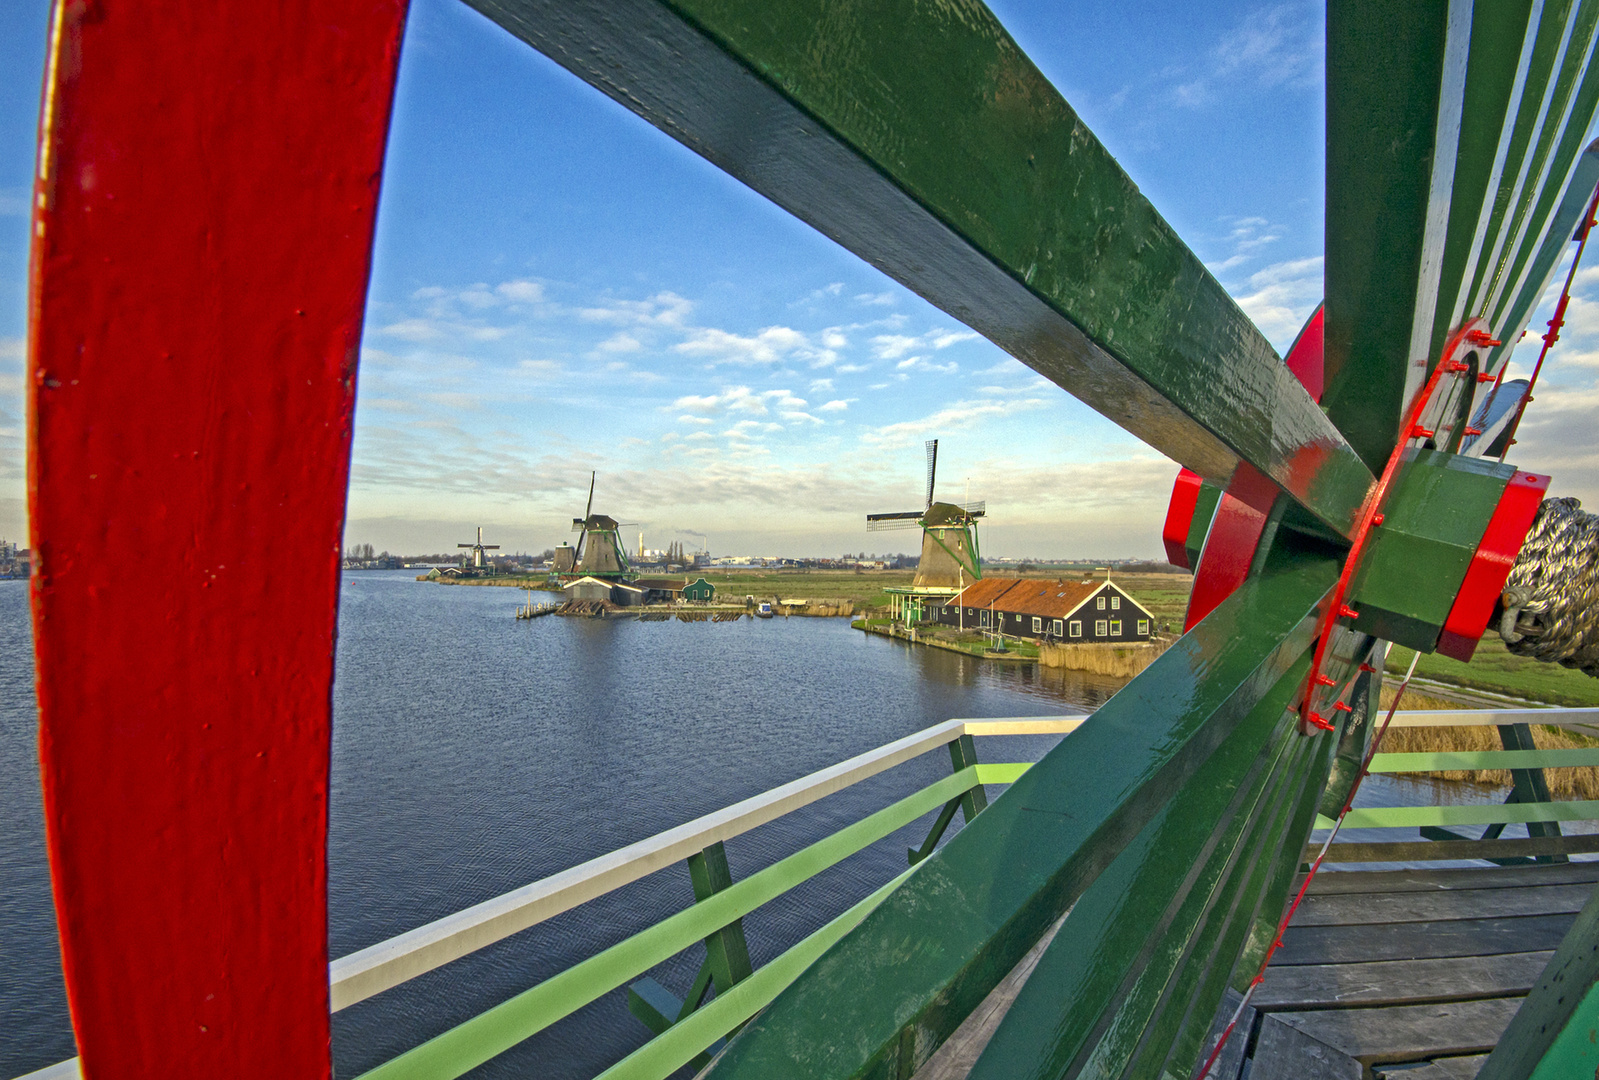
(1564, 784)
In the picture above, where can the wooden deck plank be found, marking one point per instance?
(1420, 941)
(1408, 1032)
(1353, 909)
(1452, 1068)
(1283, 1052)
(1395, 982)
(1331, 882)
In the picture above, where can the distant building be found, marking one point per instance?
(699, 590)
(1080, 612)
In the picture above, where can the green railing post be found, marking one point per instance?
(727, 958)
(1531, 786)
(962, 755)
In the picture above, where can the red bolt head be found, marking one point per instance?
(1419, 432)
(1455, 367)
(1317, 721)
(1485, 377)
(1473, 431)
(1376, 519)
(1347, 612)
(1341, 707)
(1367, 668)
(1323, 680)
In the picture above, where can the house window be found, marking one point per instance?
(1101, 603)
(1059, 628)
(1143, 627)
(1115, 628)
(985, 616)
(1038, 625)
(1077, 628)
(1115, 603)
(1099, 627)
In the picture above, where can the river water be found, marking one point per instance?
(473, 754)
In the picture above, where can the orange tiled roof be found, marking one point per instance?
(1028, 596)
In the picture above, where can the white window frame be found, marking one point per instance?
(1100, 604)
(1059, 628)
(1077, 628)
(1115, 628)
(1143, 627)
(1099, 628)
(1038, 625)
(1115, 603)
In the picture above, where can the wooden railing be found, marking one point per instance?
(393, 962)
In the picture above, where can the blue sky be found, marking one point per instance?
(559, 288)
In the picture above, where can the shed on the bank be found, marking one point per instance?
(699, 590)
(659, 590)
(587, 588)
(1071, 611)
(625, 595)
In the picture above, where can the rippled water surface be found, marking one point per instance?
(473, 754)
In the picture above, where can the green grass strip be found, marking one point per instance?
(676, 1047)
(1486, 759)
(1411, 817)
(470, 1044)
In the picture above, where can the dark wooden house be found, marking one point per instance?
(1074, 612)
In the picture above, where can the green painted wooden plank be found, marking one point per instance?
(1567, 116)
(1485, 759)
(1395, 91)
(1411, 817)
(1089, 968)
(1196, 954)
(665, 1054)
(921, 138)
(1555, 1033)
(469, 1044)
(900, 982)
(1496, 73)
(1001, 772)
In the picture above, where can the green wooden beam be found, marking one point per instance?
(1454, 133)
(894, 988)
(1132, 934)
(921, 138)
(1555, 1033)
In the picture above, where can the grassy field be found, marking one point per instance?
(1495, 668)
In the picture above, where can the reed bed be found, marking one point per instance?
(1564, 784)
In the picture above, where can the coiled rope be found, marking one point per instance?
(1551, 600)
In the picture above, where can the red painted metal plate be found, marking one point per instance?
(1230, 546)
(1180, 517)
(1490, 566)
(201, 247)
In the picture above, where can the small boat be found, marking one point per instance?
(763, 611)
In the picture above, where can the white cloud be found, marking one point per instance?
(664, 309)
(521, 291)
(413, 330)
(960, 415)
(1282, 297)
(688, 418)
(836, 406)
(875, 299)
(894, 346)
(622, 342)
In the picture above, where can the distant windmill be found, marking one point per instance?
(477, 560)
(950, 557)
(599, 550)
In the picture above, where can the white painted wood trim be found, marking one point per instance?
(379, 967)
(1578, 719)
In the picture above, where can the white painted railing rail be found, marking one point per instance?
(389, 963)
